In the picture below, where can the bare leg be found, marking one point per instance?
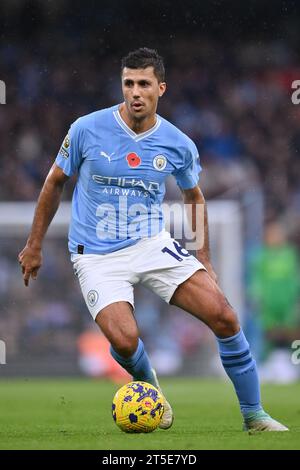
(200, 296)
(118, 324)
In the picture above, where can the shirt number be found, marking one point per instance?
(181, 252)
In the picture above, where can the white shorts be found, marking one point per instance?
(159, 263)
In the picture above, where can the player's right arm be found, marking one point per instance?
(30, 258)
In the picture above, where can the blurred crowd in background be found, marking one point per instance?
(232, 98)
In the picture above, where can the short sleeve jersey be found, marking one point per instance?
(121, 178)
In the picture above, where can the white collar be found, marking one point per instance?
(133, 134)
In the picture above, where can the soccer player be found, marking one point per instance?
(122, 156)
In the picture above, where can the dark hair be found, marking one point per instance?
(144, 57)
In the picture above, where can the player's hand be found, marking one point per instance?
(30, 260)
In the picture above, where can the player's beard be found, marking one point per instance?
(143, 115)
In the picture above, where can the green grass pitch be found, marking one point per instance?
(76, 414)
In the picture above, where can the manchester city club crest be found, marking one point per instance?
(159, 162)
(92, 298)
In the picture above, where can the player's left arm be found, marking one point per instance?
(198, 220)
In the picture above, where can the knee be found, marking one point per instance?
(125, 345)
(226, 323)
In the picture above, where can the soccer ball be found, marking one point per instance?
(137, 407)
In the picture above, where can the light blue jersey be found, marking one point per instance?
(121, 178)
